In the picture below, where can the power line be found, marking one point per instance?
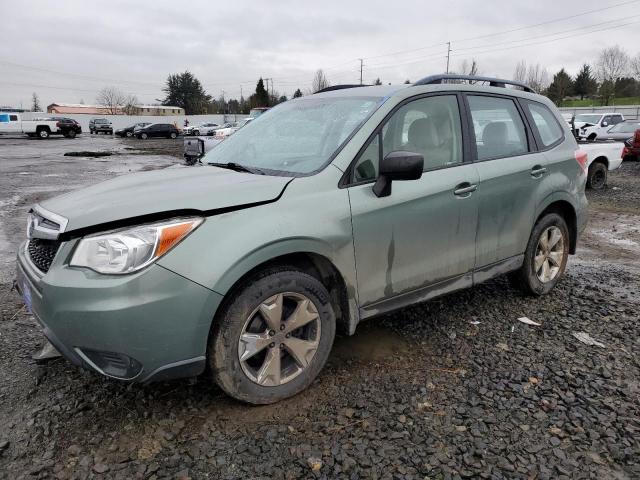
(503, 32)
(552, 40)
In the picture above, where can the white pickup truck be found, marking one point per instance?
(11, 122)
(592, 126)
(602, 157)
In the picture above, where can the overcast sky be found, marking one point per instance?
(67, 50)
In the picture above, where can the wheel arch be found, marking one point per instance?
(310, 261)
(566, 209)
(601, 159)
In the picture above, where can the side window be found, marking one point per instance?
(429, 126)
(498, 127)
(366, 168)
(548, 128)
(616, 119)
(13, 118)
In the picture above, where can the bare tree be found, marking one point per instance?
(320, 81)
(129, 104)
(112, 99)
(35, 103)
(533, 75)
(520, 73)
(467, 68)
(538, 77)
(613, 63)
(635, 67)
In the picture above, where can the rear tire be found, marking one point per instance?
(543, 267)
(129, 134)
(299, 322)
(143, 136)
(173, 135)
(43, 133)
(71, 134)
(597, 176)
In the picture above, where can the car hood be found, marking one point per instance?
(162, 194)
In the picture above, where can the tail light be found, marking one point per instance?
(581, 158)
(58, 124)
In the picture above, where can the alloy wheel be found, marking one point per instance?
(279, 339)
(550, 254)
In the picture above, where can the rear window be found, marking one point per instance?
(548, 128)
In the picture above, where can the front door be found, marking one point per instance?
(424, 232)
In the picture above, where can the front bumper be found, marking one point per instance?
(150, 325)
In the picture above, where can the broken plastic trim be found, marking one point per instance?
(158, 216)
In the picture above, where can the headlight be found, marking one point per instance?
(131, 249)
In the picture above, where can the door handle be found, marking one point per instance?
(537, 171)
(465, 189)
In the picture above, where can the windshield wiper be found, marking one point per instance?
(236, 167)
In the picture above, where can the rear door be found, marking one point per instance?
(423, 234)
(510, 171)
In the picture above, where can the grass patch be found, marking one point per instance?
(595, 102)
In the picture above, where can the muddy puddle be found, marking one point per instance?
(372, 342)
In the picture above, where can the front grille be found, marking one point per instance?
(41, 252)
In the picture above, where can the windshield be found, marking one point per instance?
(625, 128)
(297, 137)
(586, 118)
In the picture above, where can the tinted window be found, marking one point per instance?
(546, 124)
(498, 127)
(428, 126)
(13, 118)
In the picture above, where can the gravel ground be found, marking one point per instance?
(454, 388)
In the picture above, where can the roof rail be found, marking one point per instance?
(340, 87)
(494, 82)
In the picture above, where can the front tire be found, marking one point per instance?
(173, 135)
(129, 134)
(273, 337)
(143, 136)
(597, 176)
(545, 258)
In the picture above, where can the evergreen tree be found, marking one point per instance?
(297, 93)
(560, 88)
(585, 83)
(261, 97)
(35, 106)
(184, 90)
(377, 82)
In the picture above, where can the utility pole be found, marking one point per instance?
(361, 65)
(448, 54)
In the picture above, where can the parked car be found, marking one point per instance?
(153, 130)
(68, 126)
(591, 126)
(205, 129)
(621, 131)
(632, 147)
(256, 112)
(13, 122)
(225, 132)
(332, 209)
(100, 125)
(602, 157)
(128, 131)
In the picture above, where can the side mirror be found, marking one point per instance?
(398, 165)
(604, 124)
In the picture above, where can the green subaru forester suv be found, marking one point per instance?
(323, 212)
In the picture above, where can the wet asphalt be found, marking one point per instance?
(454, 388)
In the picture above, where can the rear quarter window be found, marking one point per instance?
(545, 122)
